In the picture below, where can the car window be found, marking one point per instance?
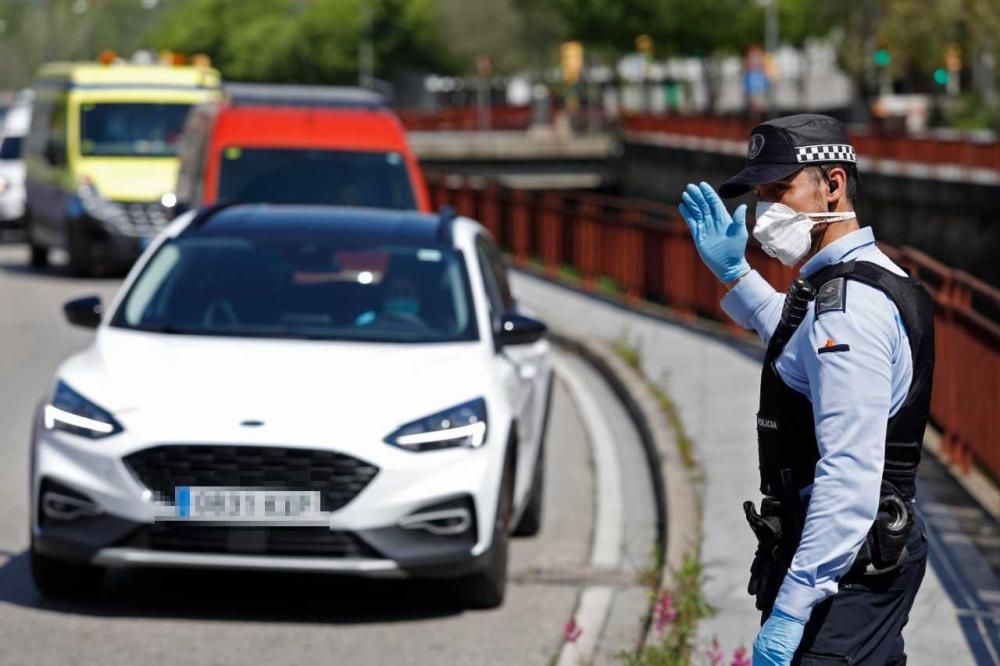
(10, 149)
(494, 298)
(301, 176)
(499, 271)
(38, 132)
(294, 285)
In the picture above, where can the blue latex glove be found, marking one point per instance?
(721, 240)
(778, 640)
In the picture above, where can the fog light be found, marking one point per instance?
(63, 507)
(443, 522)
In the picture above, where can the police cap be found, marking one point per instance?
(780, 147)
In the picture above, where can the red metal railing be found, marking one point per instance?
(964, 151)
(645, 250)
(466, 118)
(959, 151)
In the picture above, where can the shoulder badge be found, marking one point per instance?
(832, 296)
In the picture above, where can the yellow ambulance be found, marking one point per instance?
(101, 157)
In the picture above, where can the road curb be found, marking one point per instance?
(678, 514)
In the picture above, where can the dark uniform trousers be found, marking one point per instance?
(862, 623)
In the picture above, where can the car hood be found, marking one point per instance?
(235, 379)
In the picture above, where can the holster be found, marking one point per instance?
(884, 549)
(775, 549)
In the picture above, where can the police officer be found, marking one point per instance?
(844, 398)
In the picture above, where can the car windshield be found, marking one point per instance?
(299, 176)
(132, 129)
(298, 285)
(10, 149)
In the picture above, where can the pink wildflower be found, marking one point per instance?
(741, 658)
(664, 612)
(573, 631)
(715, 653)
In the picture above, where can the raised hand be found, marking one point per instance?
(721, 239)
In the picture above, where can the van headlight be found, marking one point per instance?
(71, 412)
(459, 426)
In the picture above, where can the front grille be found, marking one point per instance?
(236, 540)
(337, 476)
(146, 218)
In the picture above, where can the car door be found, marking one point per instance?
(529, 362)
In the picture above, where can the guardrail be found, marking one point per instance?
(642, 251)
(966, 150)
(466, 118)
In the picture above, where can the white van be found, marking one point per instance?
(12, 193)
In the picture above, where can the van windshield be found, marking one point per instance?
(131, 129)
(318, 177)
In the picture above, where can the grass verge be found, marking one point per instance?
(677, 608)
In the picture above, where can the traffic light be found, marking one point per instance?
(941, 76)
(644, 45)
(883, 58)
(571, 61)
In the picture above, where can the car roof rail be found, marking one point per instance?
(278, 95)
(446, 222)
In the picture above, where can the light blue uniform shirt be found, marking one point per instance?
(853, 394)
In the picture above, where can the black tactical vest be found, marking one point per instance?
(786, 432)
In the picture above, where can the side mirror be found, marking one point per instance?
(517, 329)
(84, 311)
(55, 152)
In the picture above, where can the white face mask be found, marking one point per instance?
(784, 233)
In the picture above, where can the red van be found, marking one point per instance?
(298, 144)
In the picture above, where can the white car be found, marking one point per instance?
(297, 388)
(15, 129)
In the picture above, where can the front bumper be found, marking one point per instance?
(112, 244)
(388, 552)
(373, 534)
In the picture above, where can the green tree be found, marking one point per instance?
(38, 31)
(304, 41)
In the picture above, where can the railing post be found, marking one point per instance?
(520, 219)
(490, 210)
(552, 210)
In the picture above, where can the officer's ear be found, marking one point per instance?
(836, 183)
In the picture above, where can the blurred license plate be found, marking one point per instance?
(215, 503)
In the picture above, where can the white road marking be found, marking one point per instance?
(609, 521)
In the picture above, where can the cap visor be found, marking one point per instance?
(756, 174)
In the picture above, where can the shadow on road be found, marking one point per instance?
(20, 266)
(238, 596)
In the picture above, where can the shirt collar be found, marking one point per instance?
(838, 250)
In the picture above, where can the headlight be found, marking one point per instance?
(73, 413)
(459, 426)
(4, 184)
(100, 208)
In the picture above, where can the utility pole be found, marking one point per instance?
(366, 50)
(770, 46)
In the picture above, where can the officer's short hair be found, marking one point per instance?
(821, 172)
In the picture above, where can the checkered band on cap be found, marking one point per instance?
(835, 152)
